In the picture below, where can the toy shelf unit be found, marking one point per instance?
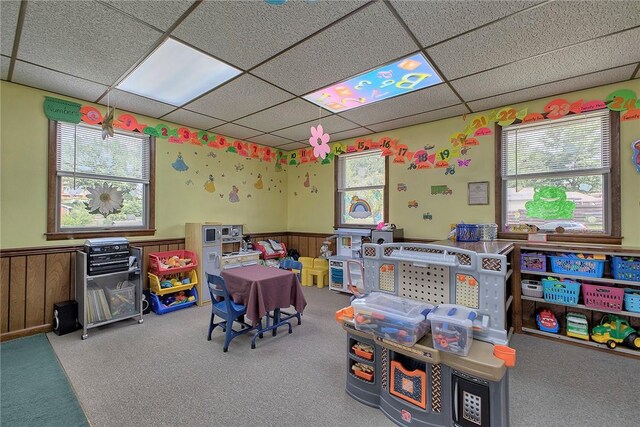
(349, 243)
(110, 295)
(584, 282)
(172, 280)
(239, 259)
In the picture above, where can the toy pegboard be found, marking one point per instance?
(467, 290)
(429, 283)
(387, 278)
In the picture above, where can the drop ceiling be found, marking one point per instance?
(489, 54)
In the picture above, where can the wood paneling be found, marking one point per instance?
(58, 274)
(4, 295)
(35, 290)
(17, 292)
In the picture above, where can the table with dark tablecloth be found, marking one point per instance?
(263, 289)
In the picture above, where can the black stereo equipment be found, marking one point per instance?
(65, 317)
(107, 255)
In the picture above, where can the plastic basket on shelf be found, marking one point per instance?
(626, 269)
(156, 287)
(561, 291)
(531, 288)
(467, 233)
(530, 261)
(632, 300)
(604, 297)
(158, 262)
(577, 266)
(159, 308)
(488, 232)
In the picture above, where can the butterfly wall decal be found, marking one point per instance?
(464, 163)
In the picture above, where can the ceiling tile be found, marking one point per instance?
(240, 97)
(563, 86)
(8, 23)
(189, 118)
(596, 55)
(122, 100)
(430, 116)
(245, 33)
(149, 12)
(281, 116)
(434, 21)
(270, 140)
(427, 99)
(235, 131)
(84, 39)
(353, 133)
(367, 39)
(292, 146)
(4, 63)
(42, 78)
(541, 29)
(330, 125)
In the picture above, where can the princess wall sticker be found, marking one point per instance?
(233, 196)
(209, 185)
(179, 164)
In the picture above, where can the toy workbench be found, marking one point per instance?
(420, 384)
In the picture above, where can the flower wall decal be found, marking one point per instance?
(320, 149)
(104, 199)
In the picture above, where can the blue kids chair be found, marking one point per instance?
(229, 311)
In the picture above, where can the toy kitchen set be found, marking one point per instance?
(347, 263)
(427, 344)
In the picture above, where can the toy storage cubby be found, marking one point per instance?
(172, 280)
(572, 286)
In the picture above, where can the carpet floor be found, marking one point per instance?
(165, 373)
(34, 388)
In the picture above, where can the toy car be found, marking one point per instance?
(614, 330)
(547, 321)
(413, 203)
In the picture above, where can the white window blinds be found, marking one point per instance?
(573, 145)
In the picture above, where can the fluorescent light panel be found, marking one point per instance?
(403, 76)
(176, 73)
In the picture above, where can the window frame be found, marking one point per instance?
(615, 231)
(53, 230)
(337, 214)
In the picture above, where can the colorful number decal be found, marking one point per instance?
(443, 154)
(203, 137)
(254, 150)
(622, 99)
(339, 149)
(400, 153)
(91, 115)
(479, 122)
(557, 108)
(506, 116)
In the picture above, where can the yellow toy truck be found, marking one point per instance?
(614, 330)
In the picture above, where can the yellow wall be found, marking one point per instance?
(23, 198)
(314, 212)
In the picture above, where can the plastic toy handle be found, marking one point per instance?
(506, 353)
(344, 312)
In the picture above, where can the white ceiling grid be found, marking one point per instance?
(492, 53)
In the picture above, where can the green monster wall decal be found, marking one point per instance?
(550, 203)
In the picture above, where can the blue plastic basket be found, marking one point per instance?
(561, 291)
(577, 266)
(632, 300)
(159, 308)
(467, 233)
(625, 270)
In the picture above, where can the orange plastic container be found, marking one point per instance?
(363, 354)
(344, 312)
(505, 353)
(364, 375)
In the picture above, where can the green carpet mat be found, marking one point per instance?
(34, 388)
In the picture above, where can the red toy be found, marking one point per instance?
(547, 322)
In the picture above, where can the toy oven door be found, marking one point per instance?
(470, 403)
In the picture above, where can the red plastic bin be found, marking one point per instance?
(156, 267)
(604, 297)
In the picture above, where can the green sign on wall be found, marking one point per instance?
(61, 110)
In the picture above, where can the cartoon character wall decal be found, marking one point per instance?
(209, 185)
(179, 164)
(306, 181)
(258, 183)
(233, 196)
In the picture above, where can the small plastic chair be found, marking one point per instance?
(296, 267)
(307, 265)
(229, 311)
(285, 264)
(320, 271)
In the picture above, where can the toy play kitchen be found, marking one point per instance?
(348, 247)
(427, 344)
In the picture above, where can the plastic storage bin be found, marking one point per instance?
(397, 319)
(626, 268)
(122, 302)
(632, 300)
(488, 232)
(577, 266)
(604, 297)
(159, 308)
(158, 262)
(531, 288)
(452, 328)
(467, 233)
(530, 261)
(561, 291)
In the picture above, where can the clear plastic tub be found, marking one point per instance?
(397, 319)
(452, 328)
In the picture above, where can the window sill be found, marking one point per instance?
(567, 237)
(95, 234)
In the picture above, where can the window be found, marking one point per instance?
(361, 189)
(99, 187)
(562, 175)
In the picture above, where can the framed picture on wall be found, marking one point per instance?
(478, 193)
